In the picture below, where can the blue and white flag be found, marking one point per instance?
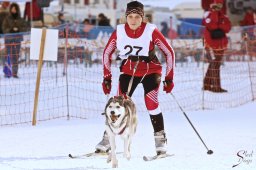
(8, 67)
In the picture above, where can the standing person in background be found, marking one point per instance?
(12, 25)
(249, 17)
(165, 29)
(61, 18)
(35, 17)
(135, 40)
(249, 20)
(217, 25)
(249, 32)
(103, 20)
(3, 13)
(87, 27)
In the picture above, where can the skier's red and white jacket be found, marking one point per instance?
(138, 42)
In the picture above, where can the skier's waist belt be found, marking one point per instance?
(139, 58)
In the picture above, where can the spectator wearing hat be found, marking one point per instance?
(206, 5)
(217, 25)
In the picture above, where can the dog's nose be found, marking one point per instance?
(112, 112)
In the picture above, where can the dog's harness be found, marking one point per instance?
(139, 58)
(131, 80)
(123, 129)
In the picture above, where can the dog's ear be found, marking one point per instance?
(109, 101)
(119, 99)
(122, 100)
(128, 103)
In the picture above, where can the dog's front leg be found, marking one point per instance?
(113, 151)
(127, 142)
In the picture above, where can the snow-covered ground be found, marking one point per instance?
(228, 132)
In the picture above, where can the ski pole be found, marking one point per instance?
(209, 152)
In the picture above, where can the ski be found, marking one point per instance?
(91, 154)
(87, 155)
(151, 158)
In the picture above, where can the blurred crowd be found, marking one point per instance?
(215, 21)
(34, 16)
(13, 22)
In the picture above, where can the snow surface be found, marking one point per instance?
(47, 145)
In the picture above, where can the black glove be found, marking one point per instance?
(217, 34)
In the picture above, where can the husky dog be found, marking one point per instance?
(121, 119)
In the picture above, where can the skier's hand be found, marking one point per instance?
(14, 30)
(106, 85)
(168, 85)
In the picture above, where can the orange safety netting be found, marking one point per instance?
(71, 87)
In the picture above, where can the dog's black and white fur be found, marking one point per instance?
(121, 119)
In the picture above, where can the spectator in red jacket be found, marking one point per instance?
(217, 25)
(34, 14)
(249, 18)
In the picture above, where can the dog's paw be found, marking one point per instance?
(127, 155)
(109, 158)
(115, 164)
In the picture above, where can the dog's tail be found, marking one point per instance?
(131, 109)
(133, 120)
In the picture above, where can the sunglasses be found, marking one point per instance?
(217, 6)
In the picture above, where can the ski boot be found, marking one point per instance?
(103, 146)
(160, 142)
